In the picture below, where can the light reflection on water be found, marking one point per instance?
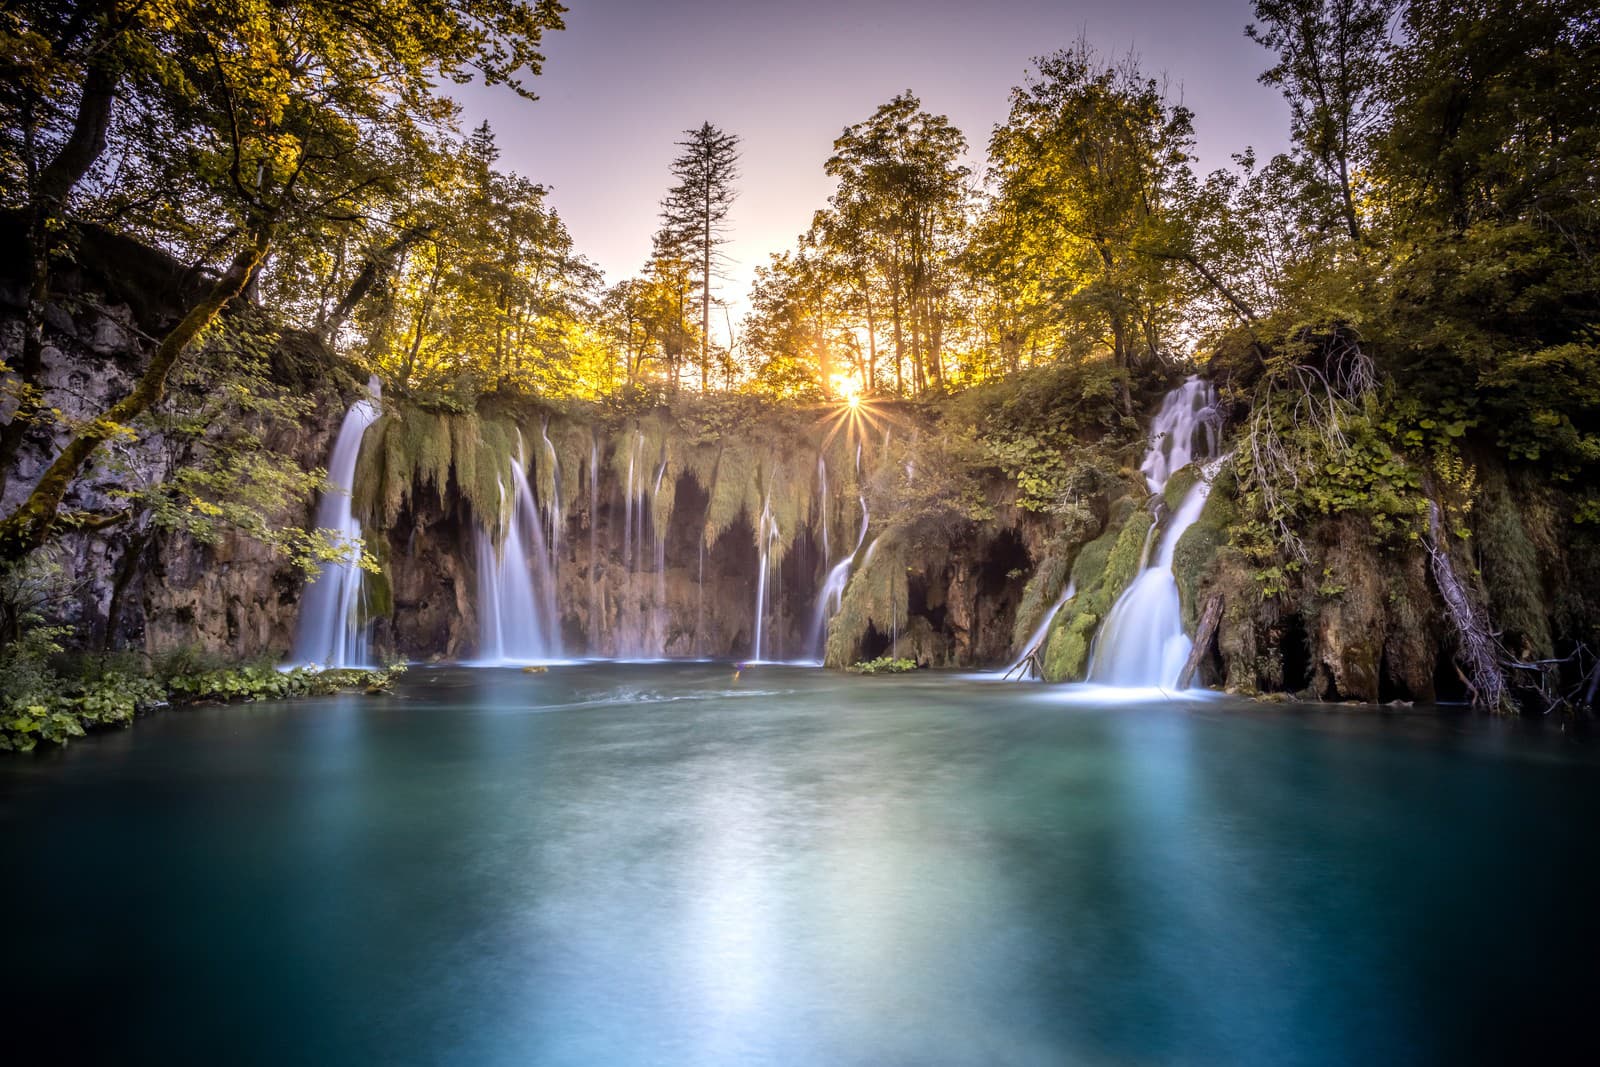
(671, 864)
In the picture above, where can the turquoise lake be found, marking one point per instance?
(666, 864)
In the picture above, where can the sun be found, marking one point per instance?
(852, 412)
(847, 387)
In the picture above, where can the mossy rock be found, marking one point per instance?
(1103, 571)
(377, 594)
(1195, 554)
(1066, 653)
(876, 596)
(1183, 479)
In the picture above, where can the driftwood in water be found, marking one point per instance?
(1205, 633)
(1478, 653)
(1029, 662)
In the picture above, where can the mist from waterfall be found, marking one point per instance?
(1142, 642)
(330, 630)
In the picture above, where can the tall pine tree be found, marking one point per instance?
(695, 213)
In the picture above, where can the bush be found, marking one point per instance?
(38, 704)
(884, 665)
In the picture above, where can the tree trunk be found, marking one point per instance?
(83, 146)
(131, 559)
(372, 271)
(705, 292)
(899, 341)
(870, 379)
(1204, 634)
(1478, 651)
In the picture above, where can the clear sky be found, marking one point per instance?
(627, 77)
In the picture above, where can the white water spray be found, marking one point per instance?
(330, 631)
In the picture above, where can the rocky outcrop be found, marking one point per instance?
(137, 585)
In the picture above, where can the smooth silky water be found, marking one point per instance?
(613, 864)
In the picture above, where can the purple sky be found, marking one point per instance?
(626, 77)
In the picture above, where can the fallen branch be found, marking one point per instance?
(1205, 633)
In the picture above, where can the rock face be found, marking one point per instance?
(136, 586)
(613, 602)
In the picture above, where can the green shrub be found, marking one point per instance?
(39, 704)
(884, 665)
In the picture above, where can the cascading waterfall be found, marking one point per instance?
(700, 602)
(594, 526)
(766, 535)
(330, 630)
(822, 483)
(1142, 642)
(639, 636)
(830, 598)
(658, 610)
(552, 507)
(517, 618)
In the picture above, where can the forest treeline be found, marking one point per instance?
(1438, 202)
(1414, 279)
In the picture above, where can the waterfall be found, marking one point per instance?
(658, 611)
(831, 596)
(822, 479)
(330, 631)
(552, 507)
(766, 534)
(627, 513)
(594, 558)
(1018, 666)
(639, 636)
(517, 617)
(1142, 642)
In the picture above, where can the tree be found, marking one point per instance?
(281, 113)
(1487, 171)
(902, 202)
(1332, 64)
(695, 214)
(1081, 241)
(488, 294)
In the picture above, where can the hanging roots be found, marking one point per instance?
(1305, 399)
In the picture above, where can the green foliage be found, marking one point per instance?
(883, 665)
(1056, 430)
(268, 683)
(1080, 246)
(48, 697)
(212, 434)
(929, 484)
(55, 709)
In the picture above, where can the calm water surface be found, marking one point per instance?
(661, 865)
